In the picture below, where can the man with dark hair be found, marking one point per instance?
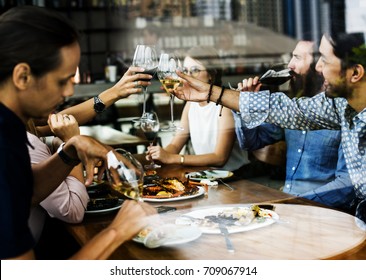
(39, 54)
(342, 106)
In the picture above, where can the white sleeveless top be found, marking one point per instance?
(203, 126)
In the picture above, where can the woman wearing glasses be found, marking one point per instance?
(209, 127)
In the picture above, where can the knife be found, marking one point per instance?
(225, 233)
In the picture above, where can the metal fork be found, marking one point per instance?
(225, 233)
(225, 184)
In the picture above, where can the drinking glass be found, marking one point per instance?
(150, 125)
(145, 57)
(125, 173)
(168, 64)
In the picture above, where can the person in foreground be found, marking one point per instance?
(69, 200)
(341, 106)
(211, 131)
(32, 84)
(315, 164)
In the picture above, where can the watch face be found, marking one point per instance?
(98, 105)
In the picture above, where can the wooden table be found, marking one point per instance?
(312, 232)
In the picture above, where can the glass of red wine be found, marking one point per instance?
(150, 125)
(276, 78)
(145, 57)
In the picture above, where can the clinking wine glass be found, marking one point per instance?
(145, 57)
(125, 174)
(168, 64)
(150, 125)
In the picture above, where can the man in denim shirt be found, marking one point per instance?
(341, 107)
(315, 164)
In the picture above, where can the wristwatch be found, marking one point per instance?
(65, 158)
(99, 106)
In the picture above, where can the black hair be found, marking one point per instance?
(209, 58)
(33, 35)
(349, 47)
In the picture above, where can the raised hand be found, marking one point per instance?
(133, 81)
(63, 126)
(192, 89)
(250, 84)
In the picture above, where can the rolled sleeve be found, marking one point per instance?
(68, 202)
(254, 107)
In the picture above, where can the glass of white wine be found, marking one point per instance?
(168, 64)
(125, 174)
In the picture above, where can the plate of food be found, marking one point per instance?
(167, 235)
(171, 189)
(209, 175)
(236, 218)
(102, 200)
(103, 205)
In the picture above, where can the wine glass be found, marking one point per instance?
(168, 64)
(125, 173)
(150, 125)
(145, 57)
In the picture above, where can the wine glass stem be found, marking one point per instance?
(144, 101)
(172, 109)
(152, 163)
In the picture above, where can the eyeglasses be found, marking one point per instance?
(194, 71)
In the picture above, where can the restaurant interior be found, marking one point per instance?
(250, 37)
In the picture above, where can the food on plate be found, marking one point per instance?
(150, 172)
(261, 211)
(151, 179)
(231, 217)
(168, 188)
(143, 233)
(102, 203)
(173, 184)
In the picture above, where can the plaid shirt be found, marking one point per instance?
(318, 112)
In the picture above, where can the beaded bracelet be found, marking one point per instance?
(209, 93)
(221, 94)
(219, 100)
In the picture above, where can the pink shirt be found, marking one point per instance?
(67, 203)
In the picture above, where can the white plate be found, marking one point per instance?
(210, 175)
(106, 210)
(200, 192)
(213, 228)
(169, 235)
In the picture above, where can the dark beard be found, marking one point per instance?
(309, 84)
(341, 89)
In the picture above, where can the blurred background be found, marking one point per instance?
(250, 35)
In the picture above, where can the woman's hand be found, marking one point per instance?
(158, 153)
(131, 83)
(63, 126)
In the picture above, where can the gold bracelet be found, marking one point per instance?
(182, 159)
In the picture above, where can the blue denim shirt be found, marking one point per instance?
(315, 164)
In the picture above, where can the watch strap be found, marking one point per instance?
(99, 105)
(65, 158)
